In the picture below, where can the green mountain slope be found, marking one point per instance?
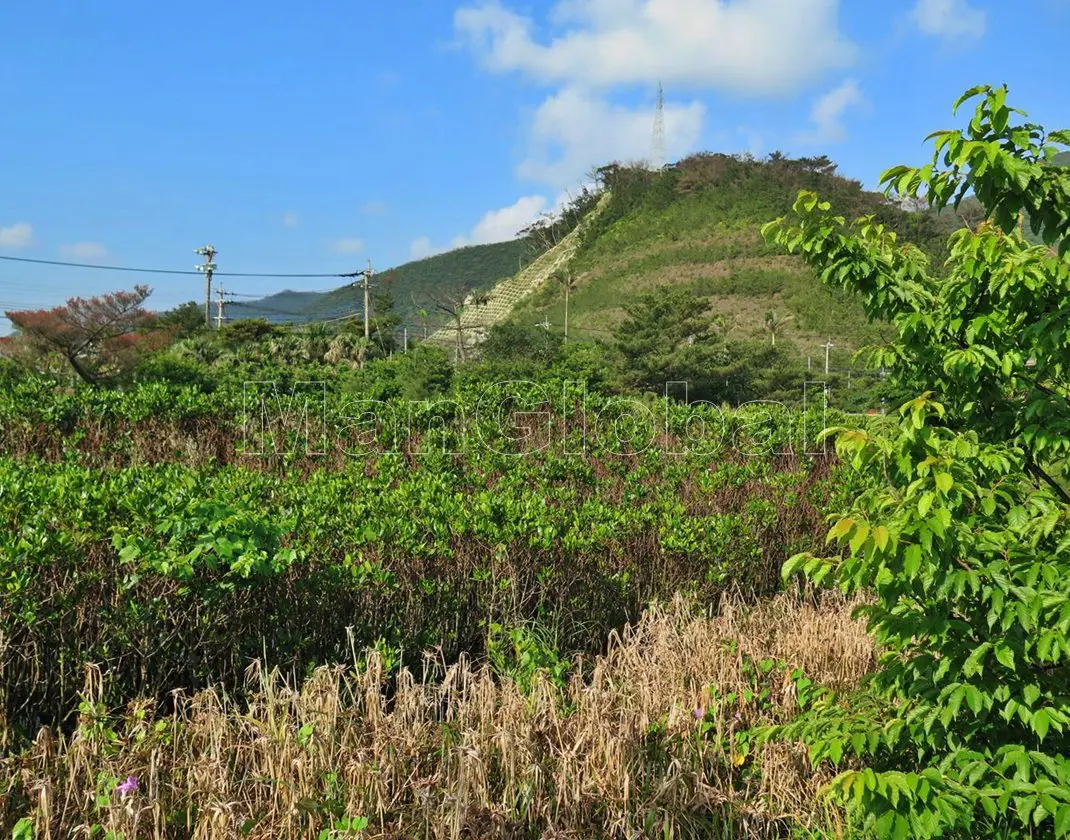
(693, 225)
(461, 270)
(696, 225)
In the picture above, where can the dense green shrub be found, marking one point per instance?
(963, 536)
(174, 575)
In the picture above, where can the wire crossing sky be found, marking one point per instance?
(303, 140)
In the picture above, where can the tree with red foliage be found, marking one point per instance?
(100, 337)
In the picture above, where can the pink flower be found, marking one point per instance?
(699, 713)
(129, 786)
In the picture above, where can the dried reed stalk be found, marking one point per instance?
(458, 752)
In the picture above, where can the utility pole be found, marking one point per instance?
(365, 282)
(564, 277)
(828, 347)
(405, 339)
(367, 304)
(206, 268)
(568, 285)
(220, 315)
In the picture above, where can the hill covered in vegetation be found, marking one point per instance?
(695, 227)
(459, 271)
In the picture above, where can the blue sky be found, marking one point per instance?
(311, 137)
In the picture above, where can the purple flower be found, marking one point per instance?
(699, 713)
(129, 786)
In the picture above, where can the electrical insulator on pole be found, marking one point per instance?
(207, 268)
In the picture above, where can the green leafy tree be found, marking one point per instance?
(962, 539)
(668, 336)
(511, 342)
(184, 320)
(251, 331)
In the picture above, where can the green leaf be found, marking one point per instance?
(861, 534)
(912, 560)
(969, 94)
(1040, 723)
(840, 528)
(23, 830)
(1062, 821)
(880, 537)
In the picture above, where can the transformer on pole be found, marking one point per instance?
(206, 268)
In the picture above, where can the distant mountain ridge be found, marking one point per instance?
(693, 224)
(463, 269)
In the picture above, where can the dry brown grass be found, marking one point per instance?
(460, 753)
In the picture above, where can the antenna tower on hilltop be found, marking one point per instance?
(657, 146)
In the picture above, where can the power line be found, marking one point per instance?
(262, 295)
(162, 270)
(258, 308)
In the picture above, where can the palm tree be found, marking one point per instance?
(348, 348)
(774, 322)
(317, 339)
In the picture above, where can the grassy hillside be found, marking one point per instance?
(693, 225)
(464, 269)
(696, 225)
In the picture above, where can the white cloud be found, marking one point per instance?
(422, 247)
(18, 235)
(494, 226)
(755, 143)
(949, 19)
(347, 245)
(374, 208)
(291, 220)
(827, 114)
(574, 130)
(748, 46)
(504, 224)
(84, 250)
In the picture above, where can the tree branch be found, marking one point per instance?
(1039, 472)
